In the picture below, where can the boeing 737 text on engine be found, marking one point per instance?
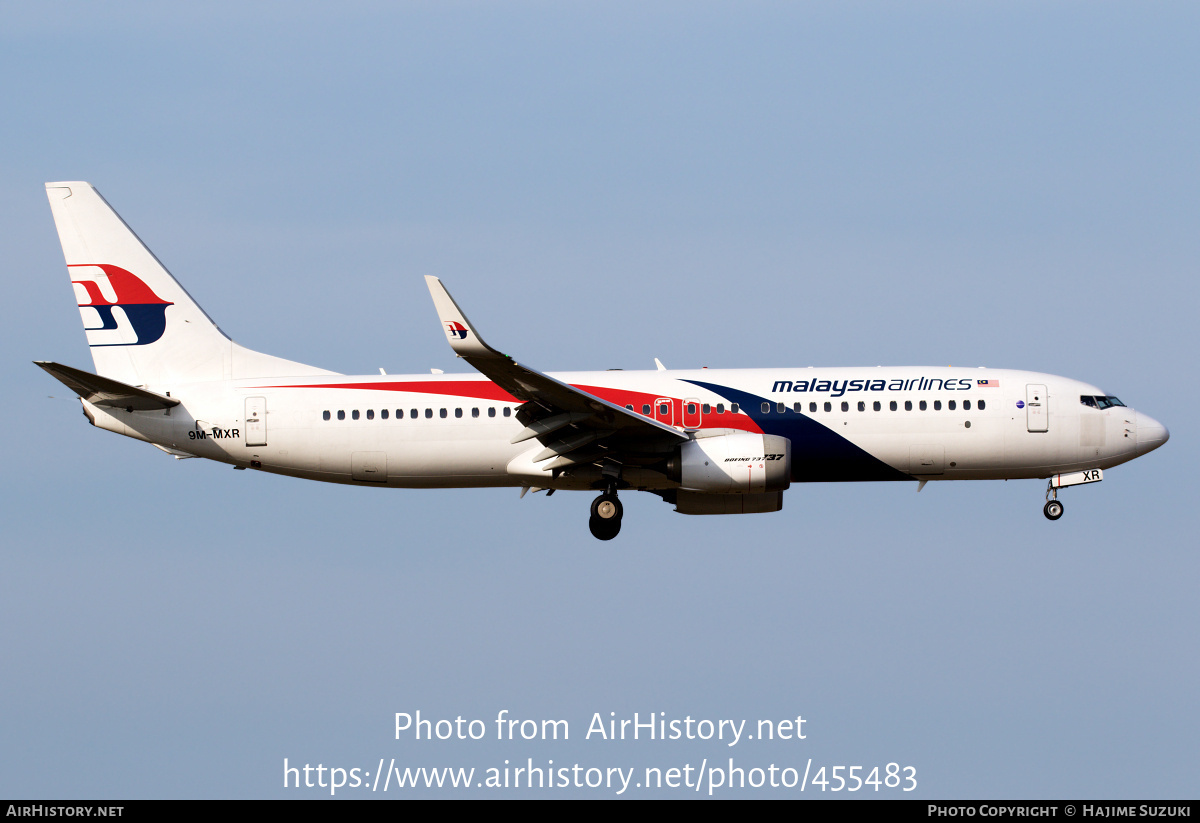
(706, 441)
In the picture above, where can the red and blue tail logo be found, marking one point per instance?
(456, 330)
(144, 310)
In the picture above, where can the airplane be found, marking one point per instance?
(704, 440)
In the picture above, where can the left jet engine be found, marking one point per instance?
(740, 463)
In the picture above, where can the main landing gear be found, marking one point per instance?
(605, 522)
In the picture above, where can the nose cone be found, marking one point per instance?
(1150, 433)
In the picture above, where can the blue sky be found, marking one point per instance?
(726, 185)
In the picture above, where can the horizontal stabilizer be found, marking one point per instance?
(104, 391)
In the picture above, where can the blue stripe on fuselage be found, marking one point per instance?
(818, 453)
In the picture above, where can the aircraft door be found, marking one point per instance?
(1037, 408)
(256, 421)
(691, 413)
(663, 410)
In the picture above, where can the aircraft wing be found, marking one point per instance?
(104, 391)
(574, 425)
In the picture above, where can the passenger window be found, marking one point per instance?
(828, 406)
(629, 407)
(354, 414)
(812, 407)
(908, 405)
(383, 413)
(507, 411)
(324, 415)
(950, 405)
(966, 405)
(892, 405)
(982, 405)
(664, 409)
(646, 408)
(705, 408)
(845, 406)
(720, 408)
(491, 411)
(443, 413)
(733, 407)
(370, 414)
(428, 413)
(458, 412)
(924, 405)
(474, 412)
(937, 405)
(862, 406)
(798, 407)
(781, 408)
(413, 413)
(876, 405)
(766, 408)
(341, 414)
(691, 408)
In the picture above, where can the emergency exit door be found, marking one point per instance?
(1037, 409)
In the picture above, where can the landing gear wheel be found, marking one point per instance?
(1053, 510)
(605, 522)
(607, 507)
(604, 529)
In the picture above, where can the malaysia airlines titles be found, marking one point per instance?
(836, 388)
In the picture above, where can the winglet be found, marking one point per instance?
(465, 341)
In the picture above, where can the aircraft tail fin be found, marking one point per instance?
(142, 326)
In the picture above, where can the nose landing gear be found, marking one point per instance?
(605, 522)
(1054, 509)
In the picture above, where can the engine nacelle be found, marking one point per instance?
(701, 503)
(741, 463)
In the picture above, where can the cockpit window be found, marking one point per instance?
(1100, 402)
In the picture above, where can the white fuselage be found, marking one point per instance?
(425, 431)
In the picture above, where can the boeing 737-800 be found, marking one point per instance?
(707, 441)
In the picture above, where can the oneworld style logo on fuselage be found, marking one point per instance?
(144, 310)
(836, 388)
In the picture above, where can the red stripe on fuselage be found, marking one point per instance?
(486, 390)
(479, 389)
(712, 420)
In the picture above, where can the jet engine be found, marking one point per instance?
(741, 463)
